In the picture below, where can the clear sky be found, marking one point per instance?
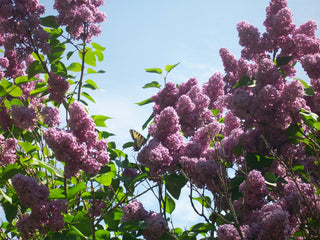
(140, 34)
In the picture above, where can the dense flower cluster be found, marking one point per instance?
(79, 148)
(157, 225)
(8, 150)
(51, 116)
(24, 117)
(58, 86)
(82, 17)
(259, 99)
(44, 213)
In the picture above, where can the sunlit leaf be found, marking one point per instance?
(28, 147)
(144, 102)
(97, 46)
(153, 84)
(86, 95)
(204, 201)
(154, 70)
(170, 204)
(76, 189)
(15, 91)
(75, 67)
(170, 67)
(99, 120)
(49, 167)
(59, 69)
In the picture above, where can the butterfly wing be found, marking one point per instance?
(138, 140)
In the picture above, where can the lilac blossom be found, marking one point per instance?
(134, 211)
(156, 228)
(58, 86)
(51, 116)
(24, 117)
(81, 17)
(8, 150)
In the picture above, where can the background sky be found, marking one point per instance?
(152, 33)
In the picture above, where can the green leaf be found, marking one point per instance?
(102, 234)
(170, 204)
(245, 81)
(90, 71)
(147, 122)
(59, 69)
(28, 147)
(256, 161)
(76, 189)
(57, 193)
(154, 70)
(90, 57)
(86, 95)
(308, 89)
(10, 210)
(105, 179)
(204, 201)
(144, 102)
(174, 183)
(56, 52)
(215, 112)
(90, 84)
(309, 118)
(38, 90)
(238, 149)
(34, 68)
(170, 67)
(75, 67)
(16, 102)
(49, 21)
(153, 84)
(21, 79)
(99, 55)
(69, 54)
(99, 120)
(133, 225)
(49, 167)
(97, 46)
(15, 91)
(282, 61)
(270, 179)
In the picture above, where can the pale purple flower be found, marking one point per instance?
(58, 86)
(134, 211)
(311, 64)
(214, 90)
(8, 150)
(228, 232)
(165, 97)
(24, 117)
(156, 228)
(81, 17)
(156, 157)
(51, 116)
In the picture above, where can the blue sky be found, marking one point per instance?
(153, 33)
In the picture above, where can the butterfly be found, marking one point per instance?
(138, 140)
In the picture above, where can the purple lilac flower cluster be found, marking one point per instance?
(157, 225)
(44, 213)
(8, 150)
(82, 17)
(79, 148)
(256, 115)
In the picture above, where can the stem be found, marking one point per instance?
(82, 69)
(92, 211)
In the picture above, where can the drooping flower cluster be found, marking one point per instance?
(79, 148)
(51, 116)
(44, 213)
(22, 33)
(24, 117)
(8, 150)
(157, 225)
(58, 86)
(82, 17)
